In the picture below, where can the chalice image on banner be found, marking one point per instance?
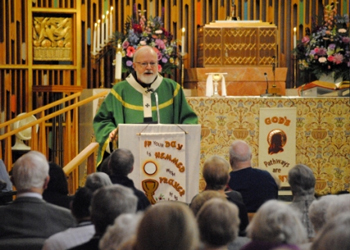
(150, 186)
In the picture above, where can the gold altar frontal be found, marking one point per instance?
(322, 132)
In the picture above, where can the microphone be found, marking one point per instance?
(157, 104)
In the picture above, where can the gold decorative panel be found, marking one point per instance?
(52, 38)
(231, 44)
(322, 133)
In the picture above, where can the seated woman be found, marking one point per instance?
(275, 224)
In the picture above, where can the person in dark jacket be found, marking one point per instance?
(120, 165)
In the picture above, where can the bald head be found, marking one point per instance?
(240, 155)
(147, 51)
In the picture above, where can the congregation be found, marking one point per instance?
(109, 213)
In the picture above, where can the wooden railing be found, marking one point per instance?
(39, 138)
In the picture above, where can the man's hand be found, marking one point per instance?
(113, 134)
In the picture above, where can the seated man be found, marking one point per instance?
(107, 204)
(255, 185)
(120, 164)
(29, 216)
(80, 234)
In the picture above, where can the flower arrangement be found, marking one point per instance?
(326, 50)
(140, 32)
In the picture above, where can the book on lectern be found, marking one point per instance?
(321, 88)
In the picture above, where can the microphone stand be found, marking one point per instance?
(267, 87)
(157, 103)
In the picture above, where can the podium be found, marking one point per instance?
(166, 165)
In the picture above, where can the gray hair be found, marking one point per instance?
(302, 180)
(277, 222)
(121, 162)
(123, 229)
(338, 206)
(239, 151)
(30, 171)
(318, 210)
(218, 222)
(216, 173)
(108, 203)
(334, 235)
(96, 180)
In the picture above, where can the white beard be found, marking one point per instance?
(148, 79)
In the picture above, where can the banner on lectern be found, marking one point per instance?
(163, 166)
(277, 145)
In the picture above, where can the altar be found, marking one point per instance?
(322, 132)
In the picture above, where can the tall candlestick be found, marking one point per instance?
(107, 30)
(98, 34)
(95, 39)
(118, 63)
(103, 30)
(295, 37)
(183, 41)
(111, 23)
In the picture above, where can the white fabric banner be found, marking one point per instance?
(277, 147)
(163, 166)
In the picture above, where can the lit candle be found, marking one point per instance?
(98, 34)
(107, 30)
(295, 37)
(103, 30)
(95, 39)
(118, 63)
(183, 42)
(111, 22)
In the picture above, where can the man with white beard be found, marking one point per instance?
(133, 101)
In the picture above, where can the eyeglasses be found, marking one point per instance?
(145, 64)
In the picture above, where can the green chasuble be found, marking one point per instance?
(129, 102)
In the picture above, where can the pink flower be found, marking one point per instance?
(346, 39)
(130, 51)
(160, 68)
(305, 39)
(338, 58)
(125, 44)
(160, 44)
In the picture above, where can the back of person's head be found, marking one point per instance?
(276, 222)
(240, 153)
(218, 222)
(108, 203)
(318, 210)
(198, 201)
(334, 235)
(31, 170)
(58, 179)
(216, 173)
(96, 180)
(167, 225)
(340, 205)
(123, 229)
(121, 162)
(81, 203)
(302, 180)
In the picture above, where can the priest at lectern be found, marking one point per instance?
(143, 97)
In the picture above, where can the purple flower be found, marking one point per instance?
(331, 46)
(128, 63)
(164, 60)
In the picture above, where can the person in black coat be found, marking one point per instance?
(120, 165)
